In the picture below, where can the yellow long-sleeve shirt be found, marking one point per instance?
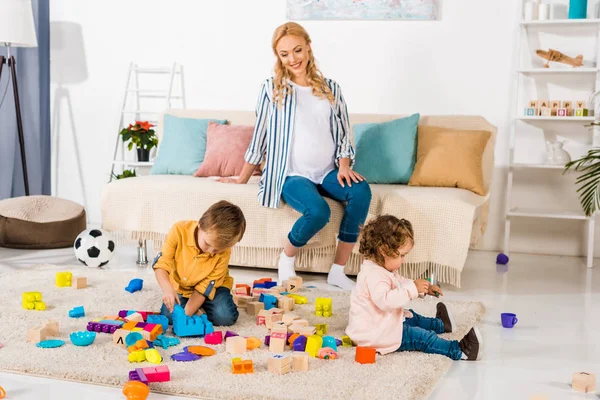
(188, 267)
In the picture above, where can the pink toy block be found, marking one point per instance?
(214, 338)
(157, 374)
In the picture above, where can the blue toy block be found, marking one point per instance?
(133, 338)
(259, 286)
(269, 300)
(269, 285)
(77, 312)
(166, 342)
(135, 285)
(186, 326)
(159, 319)
(329, 341)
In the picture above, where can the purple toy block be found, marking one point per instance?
(300, 343)
(229, 334)
(268, 340)
(138, 375)
(338, 342)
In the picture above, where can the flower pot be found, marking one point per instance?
(143, 155)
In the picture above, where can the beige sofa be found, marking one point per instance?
(447, 221)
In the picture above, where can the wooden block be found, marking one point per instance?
(299, 361)
(531, 112)
(581, 112)
(137, 317)
(241, 300)
(301, 322)
(566, 104)
(119, 337)
(561, 112)
(276, 290)
(289, 318)
(51, 327)
(554, 104)
(280, 364)
(584, 382)
(235, 345)
(533, 104)
(36, 335)
(80, 282)
(278, 339)
(242, 288)
(543, 104)
(307, 330)
(580, 104)
(287, 303)
(276, 310)
(546, 112)
(272, 319)
(261, 317)
(254, 307)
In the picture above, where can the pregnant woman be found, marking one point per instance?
(303, 135)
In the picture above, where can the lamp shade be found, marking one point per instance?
(16, 23)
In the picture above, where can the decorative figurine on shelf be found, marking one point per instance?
(557, 56)
(555, 154)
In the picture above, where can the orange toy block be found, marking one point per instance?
(135, 390)
(139, 345)
(242, 288)
(202, 351)
(79, 282)
(239, 366)
(252, 343)
(365, 355)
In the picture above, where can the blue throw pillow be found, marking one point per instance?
(183, 144)
(386, 152)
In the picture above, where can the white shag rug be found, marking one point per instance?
(398, 376)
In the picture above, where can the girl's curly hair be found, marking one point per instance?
(384, 236)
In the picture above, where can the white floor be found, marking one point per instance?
(557, 301)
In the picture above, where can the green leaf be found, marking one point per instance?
(589, 181)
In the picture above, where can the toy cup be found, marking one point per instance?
(508, 320)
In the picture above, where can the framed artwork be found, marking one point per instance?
(362, 9)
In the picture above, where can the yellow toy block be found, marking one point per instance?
(298, 299)
(64, 279)
(321, 329)
(137, 356)
(153, 356)
(323, 307)
(313, 345)
(32, 301)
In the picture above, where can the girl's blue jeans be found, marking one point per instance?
(419, 333)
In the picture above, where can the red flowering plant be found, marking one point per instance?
(141, 134)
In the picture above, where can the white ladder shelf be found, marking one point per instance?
(518, 118)
(135, 92)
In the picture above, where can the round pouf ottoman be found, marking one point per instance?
(40, 222)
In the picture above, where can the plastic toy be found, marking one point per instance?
(508, 320)
(32, 301)
(166, 342)
(158, 319)
(327, 353)
(239, 366)
(104, 326)
(313, 344)
(77, 312)
(299, 361)
(321, 329)
(133, 338)
(200, 350)
(189, 326)
(298, 299)
(2, 393)
(135, 390)
(135, 285)
(329, 341)
(270, 301)
(151, 374)
(141, 344)
(50, 344)
(137, 356)
(323, 307)
(502, 259)
(252, 343)
(185, 357)
(267, 340)
(365, 355)
(229, 334)
(338, 342)
(137, 317)
(280, 364)
(235, 345)
(153, 356)
(82, 338)
(145, 314)
(292, 337)
(63, 279)
(584, 382)
(214, 338)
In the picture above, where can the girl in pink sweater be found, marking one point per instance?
(377, 315)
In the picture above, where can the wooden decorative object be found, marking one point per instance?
(557, 56)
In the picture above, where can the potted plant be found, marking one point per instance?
(142, 136)
(128, 173)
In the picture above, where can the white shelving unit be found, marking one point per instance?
(512, 211)
(133, 90)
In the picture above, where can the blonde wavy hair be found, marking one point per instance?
(281, 87)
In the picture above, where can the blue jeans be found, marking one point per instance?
(419, 333)
(306, 197)
(221, 310)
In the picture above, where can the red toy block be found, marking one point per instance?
(262, 280)
(214, 338)
(365, 355)
(247, 288)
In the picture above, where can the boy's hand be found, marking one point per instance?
(434, 290)
(170, 298)
(422, 285)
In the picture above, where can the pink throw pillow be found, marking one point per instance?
(225, 149)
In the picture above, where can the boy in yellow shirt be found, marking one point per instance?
(193, 267)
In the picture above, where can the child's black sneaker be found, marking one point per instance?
(471, 345)
(444, 314)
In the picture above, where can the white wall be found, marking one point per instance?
(461, 64)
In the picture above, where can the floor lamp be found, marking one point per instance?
(17, 29)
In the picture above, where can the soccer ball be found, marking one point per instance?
(94, 248)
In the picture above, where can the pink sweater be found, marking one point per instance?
(376, 307)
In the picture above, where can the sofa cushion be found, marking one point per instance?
(225, 149)
(450, 158)
(386, 152)
(182, 146)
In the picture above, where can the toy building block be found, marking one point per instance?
(321, 329)
(298, 281)
(252, 343)
(313, 344)
(261, 281)
(242, 288)
(329, 341)
(543, 104)
(214, 338)
(119, 336)
(80, 282)
(138, 375)
(229, 334)
(531, 112)
(267, 340)
(581, 112)
(32, 301)
(584, 382)
(77, 312)
(158, 320)
(239, 366)
(139, 345)
(580, 104)
(365, 355)
(135, 285)
(51, 327)
(270, 301)
(546, 112)
(327, 353)
(292, 337)
(299, 361)
(561, 112)
(241, 300)
(153, 356)
(165, 342)
(137, 356)
(145, 314)
(298, 299)
(554, 105)
(568, 104)
(287, 303)
(346, 341)
(300, 343)
(289, 318)
(151, 374)
(201, 350)
(257, 291)
(280, 364)
(289, 286)
(276, 310)
(272, 319)
(64, 279)
(136, 390)
(323, 307)
(278, 339)
(188, 326)
(235, 345)
(261, 317)
(37, 335)
(532, 104)
(137, 317)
